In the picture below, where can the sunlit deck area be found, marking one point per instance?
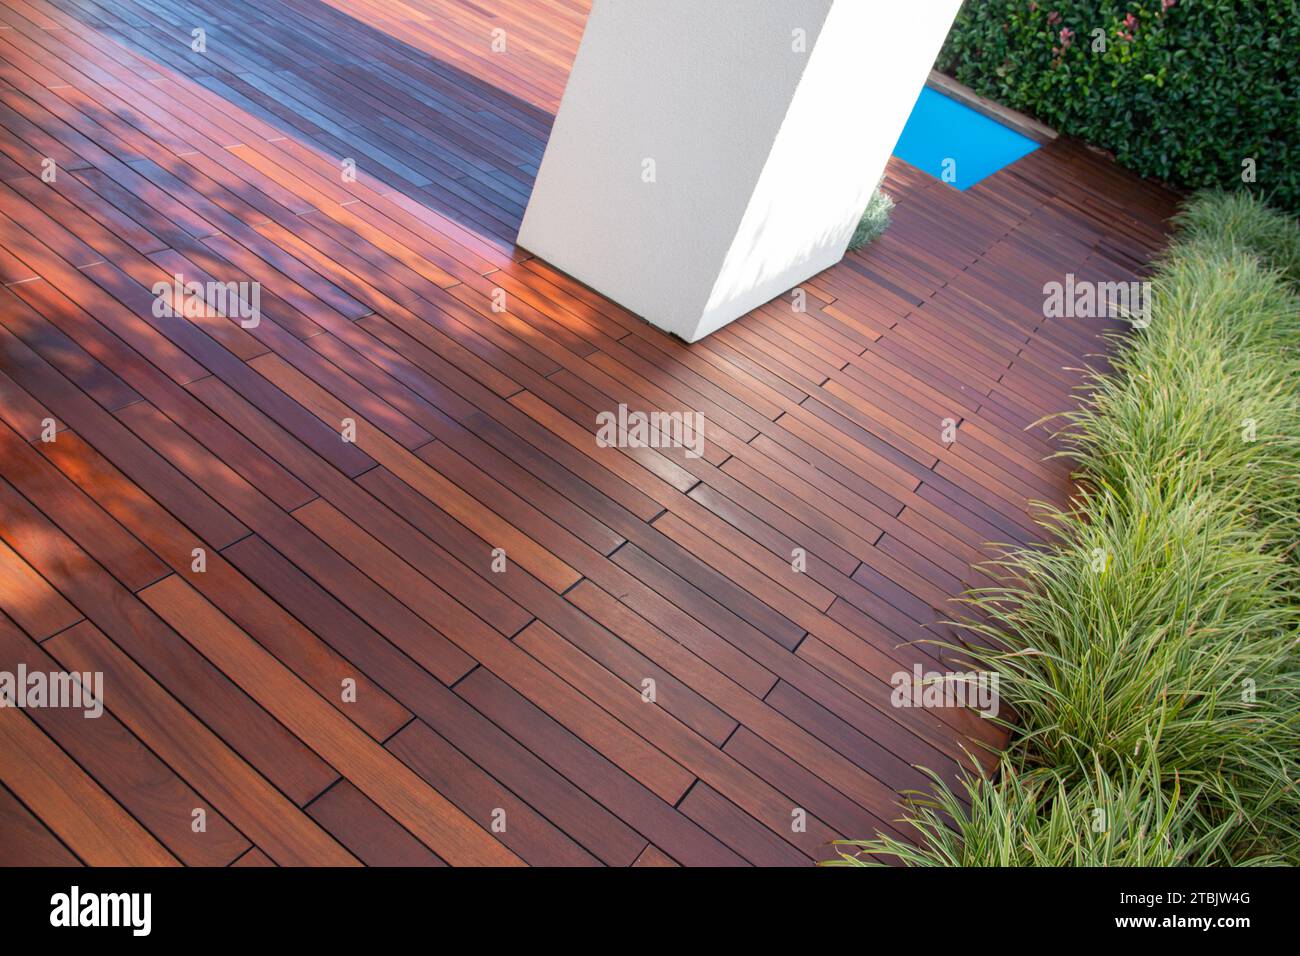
(362, 584)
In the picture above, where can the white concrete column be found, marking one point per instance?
(709, 155)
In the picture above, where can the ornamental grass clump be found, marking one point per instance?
(1041, 818)
(1148, 651)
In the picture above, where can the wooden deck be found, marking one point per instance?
(481, 696)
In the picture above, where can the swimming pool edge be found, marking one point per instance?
(1025, 125)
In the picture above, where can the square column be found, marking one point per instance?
(709, 155)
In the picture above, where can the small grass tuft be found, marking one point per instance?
(874, 221)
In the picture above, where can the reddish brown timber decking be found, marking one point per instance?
(349, 679)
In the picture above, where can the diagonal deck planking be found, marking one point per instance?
(477, 693)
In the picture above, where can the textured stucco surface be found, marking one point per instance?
(764, 155)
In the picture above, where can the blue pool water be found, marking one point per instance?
(942, 129)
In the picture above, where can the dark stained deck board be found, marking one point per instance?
(133, 775)
(479, 692)
(27, 842)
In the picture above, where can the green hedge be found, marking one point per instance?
(1183, 93)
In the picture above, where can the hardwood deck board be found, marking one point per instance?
(374, 710)
(496, 586)
(219, 702)
(239, 792)
(67, 800)
(27, 842)
(131, 773)
(521, 827)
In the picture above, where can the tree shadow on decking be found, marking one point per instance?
(413, 122)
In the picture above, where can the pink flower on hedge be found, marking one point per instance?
(1166, 4)
(1131, 22)
(1053, 17)
(1066, 36)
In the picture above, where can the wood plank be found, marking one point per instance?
(87, 819)
(127, 770)
(428, 815)
(24, 840)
